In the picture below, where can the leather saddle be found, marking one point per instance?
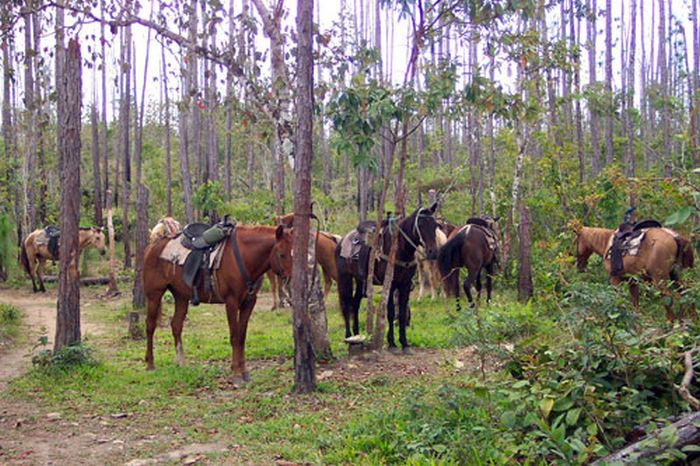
(625, 233)
(201, 239)
(54, 234)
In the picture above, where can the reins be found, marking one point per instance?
(251, 286)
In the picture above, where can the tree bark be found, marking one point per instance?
(95, 150)
(124, 124)
(112, 289)
(103, 134)
(304, 370)
(166, 124)
(591, 33)
(229, 103)
(28, 167)
(629, 93)
(69, 89)
(664, 84)
(524, 257)
(608, 84)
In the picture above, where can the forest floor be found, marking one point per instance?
(117, 413)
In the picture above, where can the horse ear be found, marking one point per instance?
(433, 207)
(279, 232)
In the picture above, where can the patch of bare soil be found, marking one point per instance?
(38, 319)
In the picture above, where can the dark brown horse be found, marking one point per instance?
(35, 252)
(659, 254)
(260, 247)
(416, 229)
(468, 247)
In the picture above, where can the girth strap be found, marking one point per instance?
(250, 285)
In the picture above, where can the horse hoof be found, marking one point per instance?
(407, 351)
(150, 367)
(246, 376)
(393, 350)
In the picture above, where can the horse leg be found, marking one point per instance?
(40, 273)
(327, 283)
(238, 343)
(404, 293)
(153, 306)
(421, 280)
(390, 320)
(176, 325)
(272, 278)
(489, 277)
(31, 257)
(468, 282)
(359, 293)
(345, 296)
(634, 293)
(477, 285)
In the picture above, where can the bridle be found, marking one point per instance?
(415, 228)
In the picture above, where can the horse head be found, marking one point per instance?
(422, 230)
(97, 239)
(281, 255)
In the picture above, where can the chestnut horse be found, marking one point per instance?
(35, 248)
(236, 286)
(325, 257)
(658, 254)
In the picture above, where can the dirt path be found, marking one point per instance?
(38, 319)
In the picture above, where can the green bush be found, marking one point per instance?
(65, 359)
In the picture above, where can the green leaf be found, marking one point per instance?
(562, 404)
(509, 419)
(572, 416)
(546, 406)
(680, 216)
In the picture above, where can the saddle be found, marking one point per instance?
(627, 240)
(201, 239)
(53, 234)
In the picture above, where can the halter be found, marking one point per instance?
(415, 229)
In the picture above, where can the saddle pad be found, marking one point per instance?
(629, 247)
(351, 244)
(176, 253)
(41, 239)
(491, 239)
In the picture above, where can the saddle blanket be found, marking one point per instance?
(490, 235)
(176, 253)
(629, 247)
(351, 244)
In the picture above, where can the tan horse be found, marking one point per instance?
(658, 254)
(167, 227)
(428, 271)
(35, 248)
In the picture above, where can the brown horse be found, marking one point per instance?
(468, 247)
(658, 254)
(325, 258)
(35, 248)
(261, 248)
(167, 227)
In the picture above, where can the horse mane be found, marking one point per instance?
(478, 221)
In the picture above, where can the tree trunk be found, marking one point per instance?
(524, 257)
(575, 30)
(695, 127)
(608, 84)
(629, 92)
(69, 103)
(8, 136)
(229, 103)
(667, 150)
(105, 157)
(124, 125)
(112, 289)
(28, 168)
(95, 150)
(168, 160)
(591, 33)
(305, 377)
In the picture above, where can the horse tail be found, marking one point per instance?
(449, 259)
(685, 254)
(24, 259)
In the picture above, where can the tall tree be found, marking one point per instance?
(69, 103)
(124, 125)
(664, 85)
(591, 33)
(28, 169)
(95, 151)
(609, 122)
(166, 124)
(629, 93)
(305, 377)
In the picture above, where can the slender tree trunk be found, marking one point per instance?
(69, 105)
(592, 60)
(609, 122)
(695, 98)
(166, 124)
(124, 125)
(664, 84)
(28, 168)
(8, 135)
(42, 116)
(575, 31)
(105, 157)
(95, 150)
(112, 289)
(525, 289)
(629, 92)
(229, 103)
(305, 377)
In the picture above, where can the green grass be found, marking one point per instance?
(10, 319)
(262, 416)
